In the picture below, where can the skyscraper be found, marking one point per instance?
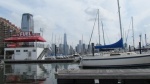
(27, 23)
(80, 46)
(65, 45)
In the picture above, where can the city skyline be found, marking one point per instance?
(77, 18)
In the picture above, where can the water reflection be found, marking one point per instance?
(32, 73)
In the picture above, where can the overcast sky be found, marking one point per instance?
(76, 18)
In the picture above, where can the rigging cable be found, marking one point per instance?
(93, 29)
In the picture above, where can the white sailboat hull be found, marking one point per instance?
(116, 61)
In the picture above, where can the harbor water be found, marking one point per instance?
(42, 73)
(35, 72)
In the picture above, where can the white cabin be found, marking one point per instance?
(23, 53)
(24, 46)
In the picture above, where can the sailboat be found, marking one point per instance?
(127, 59)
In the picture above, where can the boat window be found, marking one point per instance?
(17, 50)
(25, 50)
(128, 53)
(34, 50)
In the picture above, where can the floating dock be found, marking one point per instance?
(103, 76)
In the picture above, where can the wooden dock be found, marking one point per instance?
(104, 76)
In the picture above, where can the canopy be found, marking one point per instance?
(118, 44)
(25, 39)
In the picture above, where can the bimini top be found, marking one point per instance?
(118, 44)
(25, 37)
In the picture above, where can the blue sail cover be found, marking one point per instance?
(118, 44)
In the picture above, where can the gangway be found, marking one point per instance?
(46, 50)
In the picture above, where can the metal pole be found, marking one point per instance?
(93, 49)
(140, 47)
(140, 37)
(129, 48)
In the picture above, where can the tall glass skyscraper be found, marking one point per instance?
(27, 23)
(65, 45)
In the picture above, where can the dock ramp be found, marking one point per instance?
(46, 50)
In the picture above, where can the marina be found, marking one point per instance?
(52, 44)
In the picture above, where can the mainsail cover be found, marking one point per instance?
(118, 44)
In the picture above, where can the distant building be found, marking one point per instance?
(27, 23)
(53, 49)
(65, 48)
(60, 49)
(84, 50)
(7, 29)
(71, 51)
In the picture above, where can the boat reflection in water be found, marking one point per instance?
(24, 74)
(33, 73)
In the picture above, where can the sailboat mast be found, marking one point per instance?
(133, 31)
(145, 40)
(119, 18)
(98, 27)
(103, 32)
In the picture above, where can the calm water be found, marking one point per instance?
(35, 70)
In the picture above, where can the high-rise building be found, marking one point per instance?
(71, 50)
(65, 45)
(60, 49)
(27, 23)
(7, 29)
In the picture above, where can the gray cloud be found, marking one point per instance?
(76, 17)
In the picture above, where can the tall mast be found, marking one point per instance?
(119, 18)
(103, 32)
(98, 27)
(145, 40)
(133, 31)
